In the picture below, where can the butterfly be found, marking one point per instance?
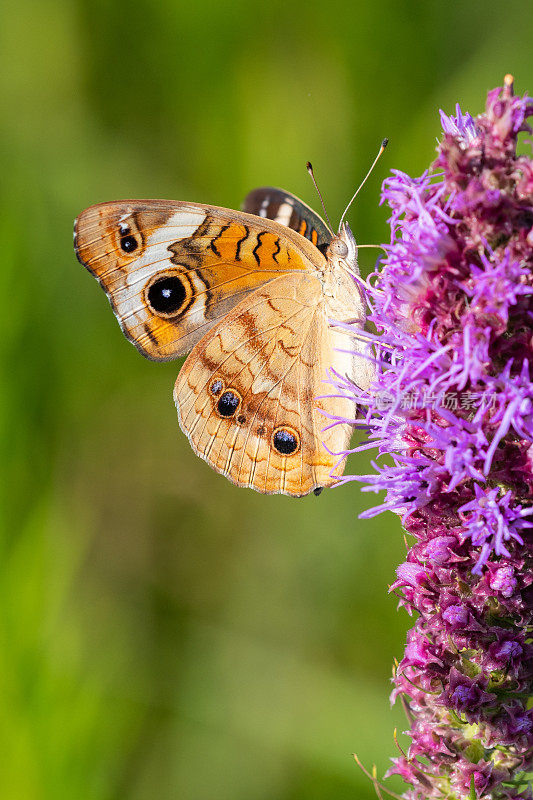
(252, 296)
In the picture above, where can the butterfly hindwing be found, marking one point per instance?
(287, 209)
(171, 270)
(247, 394)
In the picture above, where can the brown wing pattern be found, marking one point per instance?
(246, 394)
(289, 210)
(171, 270)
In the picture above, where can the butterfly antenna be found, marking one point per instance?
(384, 144)
(312, 174)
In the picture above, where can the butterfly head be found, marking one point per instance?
(342, 250)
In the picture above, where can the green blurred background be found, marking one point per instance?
(164, 634)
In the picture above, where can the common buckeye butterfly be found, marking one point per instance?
(251, 297)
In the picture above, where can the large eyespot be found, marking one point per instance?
(228, 404)
(286, 441)
(167, 295)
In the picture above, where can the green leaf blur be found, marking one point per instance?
(164, 634)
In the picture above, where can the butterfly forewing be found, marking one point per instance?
(172, 270)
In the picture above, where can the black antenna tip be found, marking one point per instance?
(385, 142)
(309, 166)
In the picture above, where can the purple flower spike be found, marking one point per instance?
(452, 407)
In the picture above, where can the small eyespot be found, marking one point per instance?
(228, 404)
(241, 419)
(167, 295)
(128, 243)
(286, 441)
(216, 387)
